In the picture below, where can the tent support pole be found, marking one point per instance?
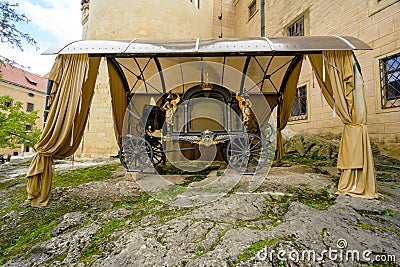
(160, 71)
(46, 107)
(244, 73)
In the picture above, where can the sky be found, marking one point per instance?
(51, 22)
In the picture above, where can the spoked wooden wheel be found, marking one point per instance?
(136, 153)
(158, 152)
(247, 153)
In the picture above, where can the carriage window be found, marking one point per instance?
(299, 109)
(296, 28)
(206, 114)
(390, 81)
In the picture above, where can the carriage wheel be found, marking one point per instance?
(247, 153)
(158, 153)
(136, 153)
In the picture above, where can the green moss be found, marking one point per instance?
(169, 169)
(85, 175)
(389, 213)
(371, 227)
(12, 182)
(319, 201)
(200, 251)
(256, 247)
(312, 162)
(34, 224)
(215, 243)
(90, 251)
(23, 244)
(194, 178)
(386, 168)
(205, 235)
(170, 193)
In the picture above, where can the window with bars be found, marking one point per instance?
(390, 81)
(252, 9)
(296, 28)
(29, 107)
(299, 108)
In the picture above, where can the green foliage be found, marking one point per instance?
(9, 18)
(13, 123)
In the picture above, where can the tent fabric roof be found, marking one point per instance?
(302, 44)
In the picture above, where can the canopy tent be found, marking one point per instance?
(270, 66)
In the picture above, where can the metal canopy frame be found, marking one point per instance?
(210, 47)
(251, 48)
(245, 67)
(145, 54)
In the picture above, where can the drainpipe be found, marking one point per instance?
(262, 13)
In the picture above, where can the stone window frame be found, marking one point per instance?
(293, 27)
(306, 17)
(196, 3)
(301, 99)
(252, 9)
(30, 107)
(9, 103)
(375, 6)
(389, 103)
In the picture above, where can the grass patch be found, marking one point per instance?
(389, 213)
(194, 178)
(312, 162)
(386, 168)
(85, 175)
(90, 251)
(371, 227)
(201, 252)
(318, 201)
(170, 193)
(12, 182)
(34, 225)
(275, 215)
(169, 169)
(30, 237)
(254, 248)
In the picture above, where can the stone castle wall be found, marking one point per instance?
(128, 20)
(374, 22)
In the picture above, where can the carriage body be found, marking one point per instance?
(205, 117)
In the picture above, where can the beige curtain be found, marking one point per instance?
(74, 78)
(339, 76)
(119, 100)
(286, 107)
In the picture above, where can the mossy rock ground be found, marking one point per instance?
(97, 217)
